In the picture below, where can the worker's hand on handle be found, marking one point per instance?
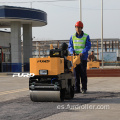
(74, 53)
(81, 54)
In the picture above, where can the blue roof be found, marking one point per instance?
(25, 15)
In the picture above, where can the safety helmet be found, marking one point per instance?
(79, 24)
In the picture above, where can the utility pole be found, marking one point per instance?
(80, 3)
(102, 30)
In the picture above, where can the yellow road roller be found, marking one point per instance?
(53, 78)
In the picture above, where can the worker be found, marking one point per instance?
(92, 57)
(80, 44)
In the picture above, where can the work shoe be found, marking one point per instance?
(83, 91)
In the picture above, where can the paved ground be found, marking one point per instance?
(102, 102)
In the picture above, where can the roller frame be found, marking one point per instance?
(63, 87)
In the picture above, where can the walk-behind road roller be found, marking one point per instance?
(53, 76)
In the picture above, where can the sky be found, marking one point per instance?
(63, 15)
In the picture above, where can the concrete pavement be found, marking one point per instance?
(103, 108)
(102, 102)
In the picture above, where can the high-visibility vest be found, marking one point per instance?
(79, 43)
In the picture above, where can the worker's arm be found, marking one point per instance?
(87, 46)
(70, 47)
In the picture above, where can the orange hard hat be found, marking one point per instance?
(79, 24)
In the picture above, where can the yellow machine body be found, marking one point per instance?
(75, 61)
(93, 64)
(58, 84)
(54, 65)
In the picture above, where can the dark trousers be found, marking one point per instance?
(80, 72)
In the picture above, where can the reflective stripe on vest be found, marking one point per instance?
(79, 43)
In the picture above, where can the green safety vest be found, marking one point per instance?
(79, 43)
